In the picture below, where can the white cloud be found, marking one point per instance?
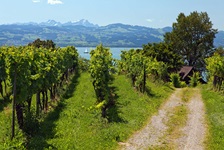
(36, 1)
(52, 2)
(149, 20)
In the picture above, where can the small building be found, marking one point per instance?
(186, 72)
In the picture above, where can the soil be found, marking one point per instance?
(154, 134)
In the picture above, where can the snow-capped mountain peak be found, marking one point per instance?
(50, 23)
(81, 22)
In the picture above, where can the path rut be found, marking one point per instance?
(195, 129)
(154, 133)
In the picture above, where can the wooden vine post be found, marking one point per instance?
(14, 104)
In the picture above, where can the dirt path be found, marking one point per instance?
(154, 134)
(195, 129)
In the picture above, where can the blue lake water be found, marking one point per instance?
(116, 51)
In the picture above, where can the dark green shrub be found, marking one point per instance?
(195, 79)
(175, 79)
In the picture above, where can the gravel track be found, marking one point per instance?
(192, 135)
(195, 129)
(150, 135)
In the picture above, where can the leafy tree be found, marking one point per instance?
(164, 53)
(192, 37)
(219, 51)
(49, 44)
(101, 66)
(158, 69)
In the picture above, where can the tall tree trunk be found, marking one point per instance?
(19, 113)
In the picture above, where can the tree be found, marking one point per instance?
(163, 52)
(192, 37)
(49, 44)
(219, 51)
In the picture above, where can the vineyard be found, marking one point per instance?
(28, 71)
(50, 98)
(33, 80)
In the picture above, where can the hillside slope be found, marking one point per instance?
(114, 35)
(86, 34)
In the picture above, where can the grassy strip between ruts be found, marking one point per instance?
(214, 103)
(77, 124)
(177, 120)
(175, 123)
(186, 94)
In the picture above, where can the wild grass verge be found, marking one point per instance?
(214, 103)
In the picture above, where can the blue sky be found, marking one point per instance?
(150, 13)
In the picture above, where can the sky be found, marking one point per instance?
(149, 13)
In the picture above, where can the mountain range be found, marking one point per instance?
(83, 33)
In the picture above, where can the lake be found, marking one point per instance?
(116, 51)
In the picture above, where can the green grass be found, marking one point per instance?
(214, 103)
(5, 129)
(77, 124)
(186, 94)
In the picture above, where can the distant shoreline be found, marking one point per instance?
(107, 46)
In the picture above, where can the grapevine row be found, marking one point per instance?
(137, 67)
(29, 70)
